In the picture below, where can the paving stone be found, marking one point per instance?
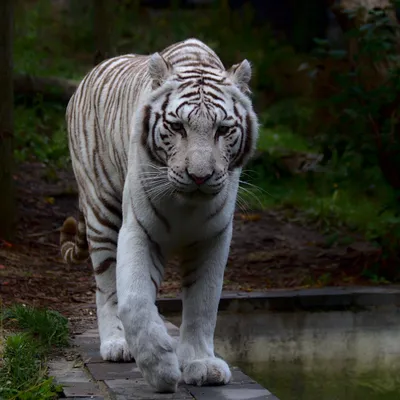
(87, 342)
(91, 356)
(74, 376)
(81, 389)
(65, 372)
(108, 370)
(60, 365)
(252, 391)
(138, 389)
(91, 332)
(125, 382)
(239, 378)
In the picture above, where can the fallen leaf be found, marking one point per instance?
(250, 217)
(49, 200)
(78, 364)
(2, 266)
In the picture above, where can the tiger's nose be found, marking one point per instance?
(199, 180)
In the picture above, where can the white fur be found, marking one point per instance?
(145, 242)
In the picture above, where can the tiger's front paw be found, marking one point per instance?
(157, 360)
(115, 349)
(207, 371)
(165, 375)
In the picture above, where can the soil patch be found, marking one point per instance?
(267, 252)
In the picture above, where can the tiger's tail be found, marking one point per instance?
(73, 241)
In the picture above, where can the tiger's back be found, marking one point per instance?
(99, 116)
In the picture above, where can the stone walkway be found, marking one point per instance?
(92, 378)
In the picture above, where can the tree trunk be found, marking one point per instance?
(7, 200)
(103, 38)
(51, 88)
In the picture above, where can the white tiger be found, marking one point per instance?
(157, 146)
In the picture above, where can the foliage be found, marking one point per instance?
(293, 113)
(40, 133)
(23, 375)
(39, 48)
(358, 112)
(53, 41)
(47, 326)
(363, 99)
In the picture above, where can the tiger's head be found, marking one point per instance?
(199, 123)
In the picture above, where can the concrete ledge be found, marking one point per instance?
(324, 299)
(96, 379)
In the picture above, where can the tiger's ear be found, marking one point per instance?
(240, 74)
(159, 70)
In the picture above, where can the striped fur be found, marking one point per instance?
(73, 241)
(157, 146)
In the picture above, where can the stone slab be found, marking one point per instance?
(239, 378)
(81, 389)
(87, 342)
(109, 370)
(123, 381)
(138, 389)
(73, 376)
(65, 372)
(91, 356)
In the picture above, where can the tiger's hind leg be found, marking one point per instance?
(103, 249)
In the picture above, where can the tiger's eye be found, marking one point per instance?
(223, 129)
(177, 126)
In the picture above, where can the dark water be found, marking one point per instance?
(293, 382)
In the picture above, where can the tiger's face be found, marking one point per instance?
(200, 126)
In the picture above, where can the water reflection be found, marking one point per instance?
(336, 355)
(290, 381)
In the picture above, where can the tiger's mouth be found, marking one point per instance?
(197, 194)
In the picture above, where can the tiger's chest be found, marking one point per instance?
(175, 226)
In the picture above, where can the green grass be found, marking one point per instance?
(283, 138)
(336, 195)
(47, 326)
(31, 335)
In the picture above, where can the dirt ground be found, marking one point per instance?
(267, 252)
